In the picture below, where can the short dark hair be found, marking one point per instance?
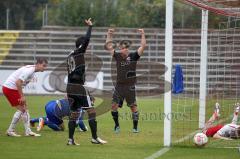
(125, 43)
(79, 41)
(41, 60)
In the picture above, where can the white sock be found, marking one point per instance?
(235, 118)
(26, 121)
(15, 119)
(235, 115)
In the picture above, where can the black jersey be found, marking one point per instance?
(76, 61)
(126, 68)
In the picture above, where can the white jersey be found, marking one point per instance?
(25, 73)
(227, 129)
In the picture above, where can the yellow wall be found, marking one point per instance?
(7, 39)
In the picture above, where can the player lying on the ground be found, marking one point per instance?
(56, 110)
(226, 132)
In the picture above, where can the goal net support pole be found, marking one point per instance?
(168, 74)
(203, 69)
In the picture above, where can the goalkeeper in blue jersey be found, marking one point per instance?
(56, 110)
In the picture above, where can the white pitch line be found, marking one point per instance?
(159, 153)
(228, 148)
(166, 149)
(186, 137)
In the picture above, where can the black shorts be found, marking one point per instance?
(126, 92)
(79, 97)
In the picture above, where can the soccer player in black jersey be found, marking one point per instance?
(78, 95)
(126, 77)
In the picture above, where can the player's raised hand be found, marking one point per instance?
(111, 31)
(141, 31)
(88, 22)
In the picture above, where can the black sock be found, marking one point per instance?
(71, 127)
(115, 118)
(93, 127)
(135, 124)
(135, 117)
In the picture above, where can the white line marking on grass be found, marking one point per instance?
(186, 137)
(227, 147)
(159, 153)
(166, 149)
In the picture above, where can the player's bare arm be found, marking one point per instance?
(19, 84)
(143, 42)
(109, 44)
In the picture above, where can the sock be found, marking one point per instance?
(93, 126)
(34, 120)
(235, 117)
(26, 121)
(135, 116)
(115, 118)
(71, 127)
(17, 115)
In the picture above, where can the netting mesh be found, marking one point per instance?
(223, 76)
(221, 7)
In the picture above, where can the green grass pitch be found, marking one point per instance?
(124, 145)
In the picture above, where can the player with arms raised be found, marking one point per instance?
(126, 63)
(78, 96)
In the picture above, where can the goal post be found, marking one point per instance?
(203, 69)
(168, 74)
(209, 68)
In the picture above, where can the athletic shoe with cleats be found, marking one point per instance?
(117, 129)
(72, 142)
(98, 141)
(135, 131)
(12, 133)
(40, 124)
(30, 133)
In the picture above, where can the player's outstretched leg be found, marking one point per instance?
(93, 126)
(33, 121)
(114, 113)
(214, 117)
(135, 117)
(235, 114)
